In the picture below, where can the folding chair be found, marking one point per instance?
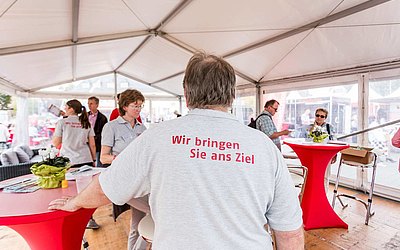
(299, 178)
(359, 164)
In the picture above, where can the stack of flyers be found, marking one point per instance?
(28, 185)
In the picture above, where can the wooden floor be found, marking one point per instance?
(383, 231)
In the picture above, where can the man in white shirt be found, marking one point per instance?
(4, 134)
(213, 182)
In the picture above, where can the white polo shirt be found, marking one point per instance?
(118, 133)
(75, 140)
(213, 183)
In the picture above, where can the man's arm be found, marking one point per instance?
(267, 126)
(91, 197)
(57, 141)
(293, 240)
(277, 134)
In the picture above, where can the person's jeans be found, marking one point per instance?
(98, 162)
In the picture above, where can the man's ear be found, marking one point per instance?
(184, 94)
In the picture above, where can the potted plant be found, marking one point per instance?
(51, 171)
(317, 134)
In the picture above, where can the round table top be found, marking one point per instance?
(31, 207)
(314, 145)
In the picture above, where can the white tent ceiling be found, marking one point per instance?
(47, 43)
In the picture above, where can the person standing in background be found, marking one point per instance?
(75, 135)
(266, 124)
(115, 113)
(396, 142)
(4, 135)
(321, 115)
(116, 136)
(97, 121)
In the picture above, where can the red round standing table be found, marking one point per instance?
(317, 211)
(28, 215)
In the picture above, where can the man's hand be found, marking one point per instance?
(65, 204)
(285, 132)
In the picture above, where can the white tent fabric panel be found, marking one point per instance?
(101, 86)
(174, 84)
(106, 17)
(104, 57)
(330, 49)
(155, 61)
(221, 43)
(240, 81)
(151, 12)
(227, 15)
(151, 41)
(385, 13)
(28, 22)
(343, 5)
(37, 69)
(258, 63)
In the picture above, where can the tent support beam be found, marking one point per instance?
(10, 86)
(115, 89)
(70, 80)
(312, 25)
(75, 25)
(172, 14)
(192, 50)
(86, 95)
(136, 50)
(68, 43)
(394, 64)
(168, 77)
(149, 84)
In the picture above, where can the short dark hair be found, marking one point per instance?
(322, 110)
(95, 99)
(127, 97)
(209, 81)
(270, 103)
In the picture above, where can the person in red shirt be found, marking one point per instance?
(115, 113)
(396, 142)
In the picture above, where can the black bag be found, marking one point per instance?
(119, 209)
(253, 123)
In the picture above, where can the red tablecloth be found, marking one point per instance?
(317, 211)
(28, 215)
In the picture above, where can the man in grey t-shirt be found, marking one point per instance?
(213, 182)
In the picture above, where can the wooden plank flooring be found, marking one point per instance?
(383, 231)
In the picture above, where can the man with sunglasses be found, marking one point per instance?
(320, 120)
(266, 124)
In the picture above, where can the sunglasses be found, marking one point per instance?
(322, 116)
(276, 109)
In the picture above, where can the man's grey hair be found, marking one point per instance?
(209, 82)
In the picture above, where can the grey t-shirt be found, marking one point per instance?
(74, 140)
(118, 133)
(213, 183)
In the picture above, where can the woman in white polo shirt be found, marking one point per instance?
(76, 138)
(115, 137)
(75, 135)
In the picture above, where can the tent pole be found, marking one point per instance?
(115, 89)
